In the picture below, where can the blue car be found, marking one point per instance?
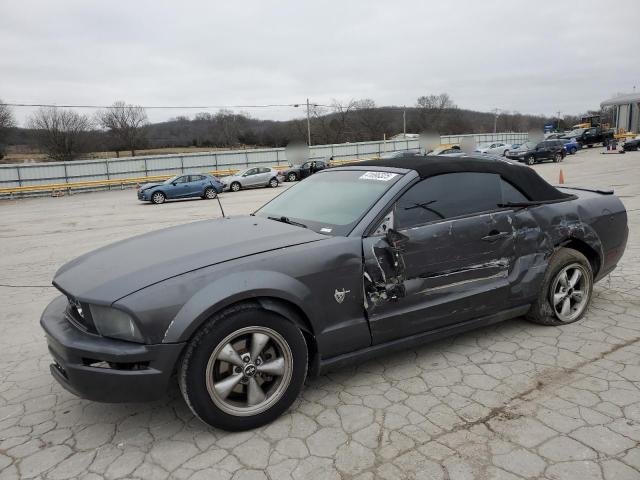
(571, 145)
(201, 185)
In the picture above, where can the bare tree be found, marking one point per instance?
(371, 120)
(127, 124)
(7, 121)
(340, 124)
(431, 109)
(62, 134)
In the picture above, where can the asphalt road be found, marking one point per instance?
(514, 400)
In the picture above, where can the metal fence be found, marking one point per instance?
(19, 175)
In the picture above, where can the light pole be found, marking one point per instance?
(558, 112)
(495, 119)
(308, 125)
(404, 122)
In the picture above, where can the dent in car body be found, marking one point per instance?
(509, 272)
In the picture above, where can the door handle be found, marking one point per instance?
(495, 235)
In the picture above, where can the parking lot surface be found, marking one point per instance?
(514, 400)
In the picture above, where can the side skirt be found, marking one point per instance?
(362, 355)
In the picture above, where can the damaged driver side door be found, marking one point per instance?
(441, 256)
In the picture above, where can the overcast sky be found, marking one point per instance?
(530, 56)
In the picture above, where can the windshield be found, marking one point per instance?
(576, 132)
(169, 180)
(332, 202)
(527, 146)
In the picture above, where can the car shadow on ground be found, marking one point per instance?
(381, 374)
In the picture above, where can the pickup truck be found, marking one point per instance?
(590, 136)
(351, 263)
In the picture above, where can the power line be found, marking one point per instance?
(181, 107)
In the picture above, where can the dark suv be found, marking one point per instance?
(532, 152)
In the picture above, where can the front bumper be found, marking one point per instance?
(104, 369)
(143, 196)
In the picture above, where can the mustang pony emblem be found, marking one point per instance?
(339, 295)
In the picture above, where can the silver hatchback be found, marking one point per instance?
(253, 177)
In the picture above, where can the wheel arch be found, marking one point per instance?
(275, 292)
(595, 259)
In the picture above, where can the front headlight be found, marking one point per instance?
(114, 323)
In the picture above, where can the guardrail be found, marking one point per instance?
(38, 178)
(69, 186)
(61, 188)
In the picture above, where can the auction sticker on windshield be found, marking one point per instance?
(381, 176)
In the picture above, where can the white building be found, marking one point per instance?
(627, 111)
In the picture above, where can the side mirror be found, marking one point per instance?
(396, 239)
(173, 183)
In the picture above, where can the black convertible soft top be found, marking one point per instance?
(522, 177)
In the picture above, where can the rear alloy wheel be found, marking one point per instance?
(210, 193)
(566, 289)
(158, 198)
(235, 187)
(557, 157)
(292, 177)
(531, 160)
(273, 183)
(244, 368)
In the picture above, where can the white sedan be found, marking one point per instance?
(497, 148)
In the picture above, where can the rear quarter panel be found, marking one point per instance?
(599, 221)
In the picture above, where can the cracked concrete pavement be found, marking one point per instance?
(510, 401)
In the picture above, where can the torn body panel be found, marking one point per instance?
(450, 271)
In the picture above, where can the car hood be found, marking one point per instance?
(144, 186)
(112, 272)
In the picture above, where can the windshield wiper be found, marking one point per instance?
(288, 220)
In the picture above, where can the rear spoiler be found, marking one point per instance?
(583, 189)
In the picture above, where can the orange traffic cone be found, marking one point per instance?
(561, 179)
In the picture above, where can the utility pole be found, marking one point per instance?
(404, 122)
(495, 119)
(558, 112)
(308, 125)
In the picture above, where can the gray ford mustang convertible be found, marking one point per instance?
(351, 263)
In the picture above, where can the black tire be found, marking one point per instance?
(292, 177)
(573, 150)
(193, 367)
(531, 160)
(158, 198)
(542, 311)
(210, 193)
(557, 157)
(590, 145)
(273, 183)
(235, 187)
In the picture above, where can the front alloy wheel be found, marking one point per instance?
(243, 368)
(531, 160)
(235, 187)
(210, 193)
(249, 371)
(158, 198)
(273, 183)
(292, 177)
